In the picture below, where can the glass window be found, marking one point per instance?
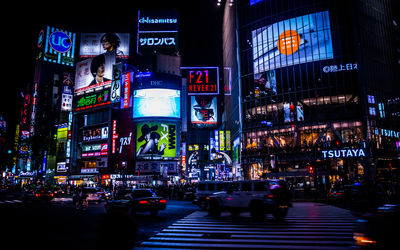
(211, 186)
(246, 186)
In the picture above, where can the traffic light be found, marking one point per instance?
(310, 169)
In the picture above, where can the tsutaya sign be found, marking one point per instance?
(343, 153)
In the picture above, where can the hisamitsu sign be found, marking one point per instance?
(343, 153)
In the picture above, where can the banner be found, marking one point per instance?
(156, 139)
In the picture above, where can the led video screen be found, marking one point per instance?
(156, 139)
(293, 41)
(156, 103)
(204, 111)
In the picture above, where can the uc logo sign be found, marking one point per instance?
(60, 41)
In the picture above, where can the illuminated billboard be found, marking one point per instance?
(293, 41)
(93, 100)
(56, 46)
(160, 42)
(201, 80)
(156, 103)
(94, 72)
(204, 111)
(93, 44)
(161, 21)
(157, 31)
(156, 139)
(95, 134)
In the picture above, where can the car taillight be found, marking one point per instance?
(363, 240)
(163, 201)
(37, 195)
(51, 194)
(143, 202)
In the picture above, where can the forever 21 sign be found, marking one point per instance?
(201, 80)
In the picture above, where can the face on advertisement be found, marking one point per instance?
(110, 41)
(97, 69)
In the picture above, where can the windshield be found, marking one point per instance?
(143, 193)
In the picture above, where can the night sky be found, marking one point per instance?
(199, 36)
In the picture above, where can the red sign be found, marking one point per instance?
(114, 136)
(127, 90)
(201, 80)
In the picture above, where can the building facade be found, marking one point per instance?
(317, 79)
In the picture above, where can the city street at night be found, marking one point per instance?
(182, 225)
(202, 124)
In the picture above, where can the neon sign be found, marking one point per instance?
(343, 153)
(60, 41)
(93, 100)
(201, 80)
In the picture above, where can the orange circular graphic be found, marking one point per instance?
(289, 42)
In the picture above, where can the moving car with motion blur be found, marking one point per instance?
(207, 188)
(258, 197)
(137, 200)
(93, 194)
(38, 194)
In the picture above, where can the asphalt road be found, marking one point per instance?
(57, 225)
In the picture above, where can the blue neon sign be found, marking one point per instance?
(60, 41)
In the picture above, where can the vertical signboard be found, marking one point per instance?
(222, 140)
(228, 140)
(66, 98)
(114, 136)
(116, 83)
(127, 90)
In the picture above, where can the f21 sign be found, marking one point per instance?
(201, 80)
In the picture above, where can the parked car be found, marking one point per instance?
(38, 194)
(258, 197)
(207, 188)
(137, 200)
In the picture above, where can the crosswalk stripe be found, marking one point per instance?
(192, 245)
(197, 230)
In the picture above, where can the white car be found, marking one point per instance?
(93, 194)
(258, 197)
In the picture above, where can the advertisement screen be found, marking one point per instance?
(293, 41)
(93, 44)
(156, 139)
(156, 103)
(94, 72)
(203, 111)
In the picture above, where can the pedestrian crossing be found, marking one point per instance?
(55, 200)
(199, 231)
(10, 201)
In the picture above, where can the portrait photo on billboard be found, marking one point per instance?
(204, 112)
(94, 44)
(156, 139)
(94, 72)
(265, 83)
(293, 41)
